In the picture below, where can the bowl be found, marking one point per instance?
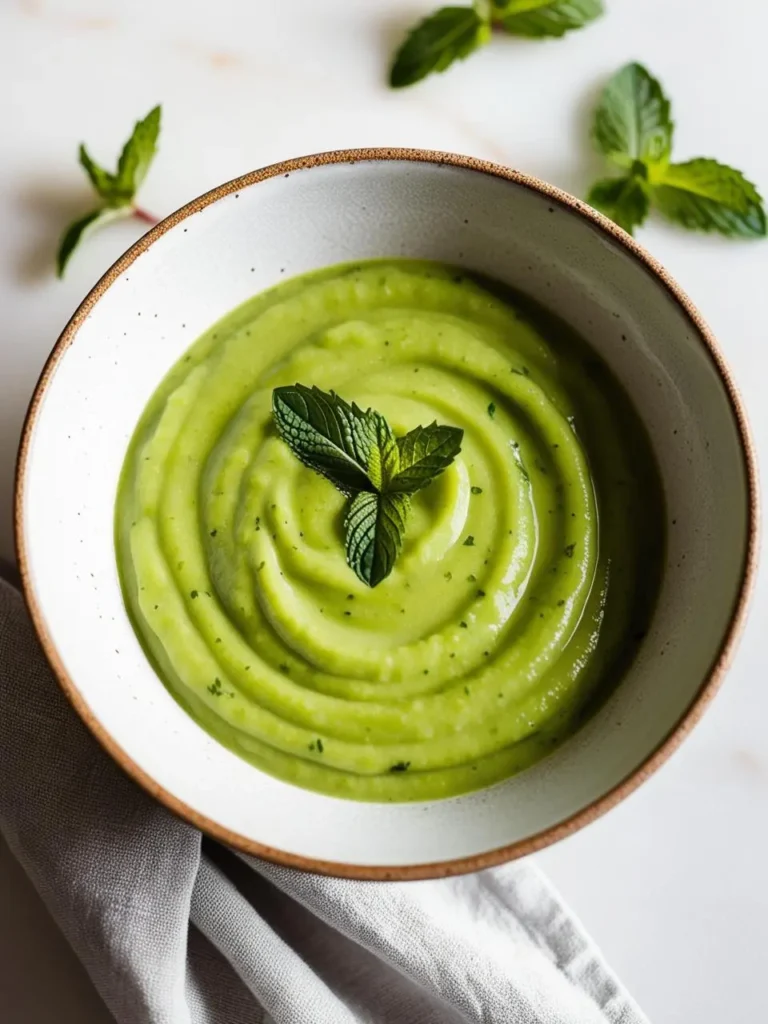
(294, 217)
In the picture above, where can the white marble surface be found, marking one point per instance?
(671, 884)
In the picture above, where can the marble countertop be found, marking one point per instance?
(671, 884)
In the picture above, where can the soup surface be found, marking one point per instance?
(528, 571)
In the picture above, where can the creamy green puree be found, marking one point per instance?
(528, 571)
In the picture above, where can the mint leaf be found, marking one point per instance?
(450, 34)
(374, 529)
(137, 155)
(384, 456)
(538, 19)
(624, 200)
(138, 152)
(77, 231)
(326, 434)
(424, 453)
(706, 195)
(102, 180)
(632, 120)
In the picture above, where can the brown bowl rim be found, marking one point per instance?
(599, 806)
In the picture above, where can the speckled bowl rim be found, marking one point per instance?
(598, 807)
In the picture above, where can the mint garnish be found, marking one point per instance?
(357, 451)
(453, 33)
(117, 191)
(633, 128)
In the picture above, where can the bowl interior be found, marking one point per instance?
(268, 227)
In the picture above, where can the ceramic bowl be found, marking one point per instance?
(295, 217)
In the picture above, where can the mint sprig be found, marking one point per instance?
(453, 33)
(117, 192)
(358, 452)
(633, 128)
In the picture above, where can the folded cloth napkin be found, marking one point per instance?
(174, 929)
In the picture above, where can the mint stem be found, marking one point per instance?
(148, 218)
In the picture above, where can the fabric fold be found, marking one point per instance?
(171, 935)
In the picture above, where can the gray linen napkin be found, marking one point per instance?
(174, 929)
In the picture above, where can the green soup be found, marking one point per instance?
(528, 572)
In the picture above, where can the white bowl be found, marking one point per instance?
(294, 217)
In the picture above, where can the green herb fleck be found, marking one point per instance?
(401, 766)
(215, 687)
(463, 625)
(320, 746)
(476, 490)
(469, 542)
(193, 594)
(568, 550)
(491, 409)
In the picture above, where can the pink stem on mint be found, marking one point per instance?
(143, 215)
